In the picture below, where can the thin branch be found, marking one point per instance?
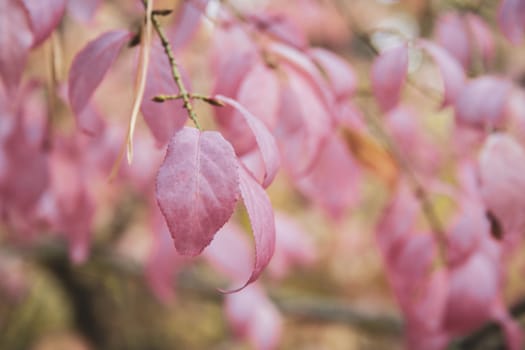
(207, 99)
(175, 72)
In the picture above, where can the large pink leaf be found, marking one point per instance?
(44, 15)
(15, 41)
(511, 18)
(482, 102)
(263, 137)
(452, 34)
(452, 73)
(261, 216)
(90, 66)
(163, 119)
(197, 187)
(389, 73)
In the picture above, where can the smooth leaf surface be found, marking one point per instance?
(452, 72)
(90, 66)
(263, 137)
(15, 41)
(261, 216)
(44, 15)
(389, 73)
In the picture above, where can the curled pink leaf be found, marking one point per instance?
(389, 73)
(482, 102)
(197, 187)
(44, 15)
(263, 137)
(261, 216)
(452, 73)
(90, 66)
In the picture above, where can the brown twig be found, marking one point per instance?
(175, 72)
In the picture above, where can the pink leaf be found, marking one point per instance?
(187, 22)
(15, 41)
(163, 119)
(304, 124)
(253, 316)
(511, 18)
(259, 94)
(197, 187)
(260, 212)
(389, 73)
(473, 287)
(293, 246)
(452, 35)
(44, 15)
(467, 232)
(280, 28)
(163, 261)
(263, 137)
(302, 64)
(501, 169)
(482, 102)
(340, 74)
(333, 180)
(451, 71)
(230, 253)
(482, 35)
(90, 66)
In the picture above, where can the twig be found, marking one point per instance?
(175, 72)
(208, 99)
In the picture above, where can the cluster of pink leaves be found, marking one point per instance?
(466, 289)
(43, 178)
(283, 103)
